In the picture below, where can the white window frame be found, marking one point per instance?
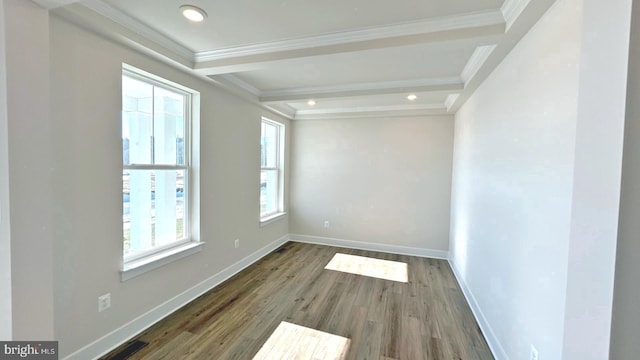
(141, 262)
(280, 211)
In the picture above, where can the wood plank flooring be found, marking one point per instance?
(426, 318)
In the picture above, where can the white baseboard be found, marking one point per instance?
(360, 245)
(489, 335)
(139, 324)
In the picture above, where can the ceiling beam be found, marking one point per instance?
(521, 18)
(372, 112)
(379, 88)
(488, 25)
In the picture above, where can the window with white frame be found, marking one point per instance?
(156, 121)
(272, 154)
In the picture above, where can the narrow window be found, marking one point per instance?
(156, 118)
(271, 174)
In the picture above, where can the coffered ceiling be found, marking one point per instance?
(354, 58)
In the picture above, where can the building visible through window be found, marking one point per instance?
(155, 174)
(272, 153)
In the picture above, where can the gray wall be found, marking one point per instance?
(536, 185)
(383, 181)
(626, 306)
(66, 164)
(5, 231)
(30, 170)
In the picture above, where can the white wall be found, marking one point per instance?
(596, 179)
(511, 198)
(5, 230)
(626, 307)
(384, 181)
(536, 181)
(87, 155)
(30, 169)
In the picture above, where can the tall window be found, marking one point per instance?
(271, 187)
(156, 164)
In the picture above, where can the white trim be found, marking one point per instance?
(360, 89)
(427, 26)
(493, 342)
(362, 245)
(450, 100)
(511, 10)
(281, 109)
(364, 109)
(477, 59)
(145, 264)
(272, 218)
(52, 4)
(236, 81)
(139, 324)
(437, 109)
(132, 24)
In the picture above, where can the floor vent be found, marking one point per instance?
(131, 349)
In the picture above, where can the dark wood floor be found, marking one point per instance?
(426, 318)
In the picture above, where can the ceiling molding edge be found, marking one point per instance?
(477, 59)
(434, 25)
(374, 88)
(138, 27)
(371, 109)
(282, 110)
(52, 4)
(380, 113)
(511, 10)
(450, 100)
(235, 81)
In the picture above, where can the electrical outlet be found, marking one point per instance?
(237, 243)
(326, 224)
(534, 353)
(104, 302)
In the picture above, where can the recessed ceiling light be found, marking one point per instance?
(311, 102)
(412, 97)
(193, 13)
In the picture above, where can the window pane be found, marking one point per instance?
(168, 127)
(136, 121)
(269, 143)
(153, 209)
(268, 192)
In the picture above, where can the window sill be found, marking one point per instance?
(138, 267)
(272, 218)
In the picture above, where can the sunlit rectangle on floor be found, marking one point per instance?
(381, 269)
(291, 341)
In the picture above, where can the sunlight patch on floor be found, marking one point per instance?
(381, 269)
(290, 341)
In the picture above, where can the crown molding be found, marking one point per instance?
(362, 89)
(428, 26)
(52, 4)
(477, 59)
(230, 79)
(282, 110)
(379, 113)
(371, 111)
(511, 10)
(450, 100)
(138, 27)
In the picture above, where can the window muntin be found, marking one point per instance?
(271, 202)
(156, 164)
